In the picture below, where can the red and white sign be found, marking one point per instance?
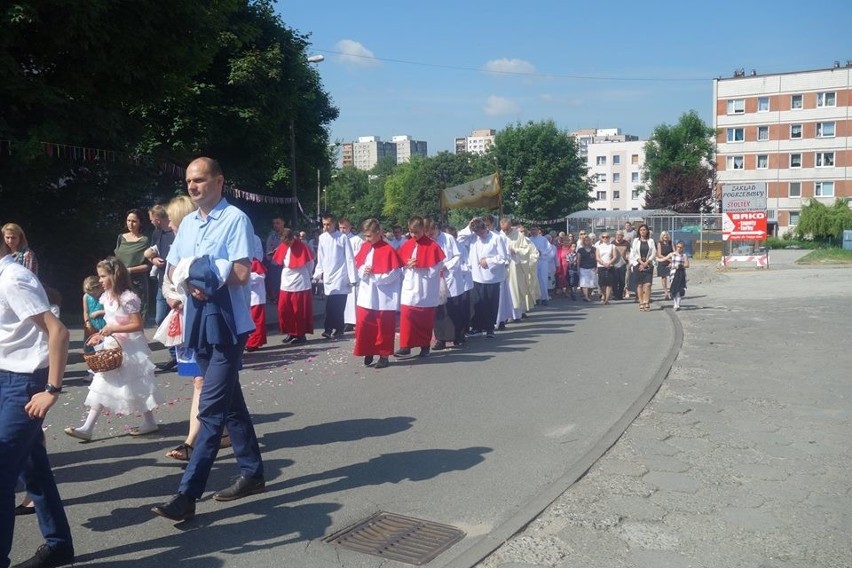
(744, 226)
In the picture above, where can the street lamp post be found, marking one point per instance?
(293, 181)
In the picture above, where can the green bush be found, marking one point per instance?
(790, 242)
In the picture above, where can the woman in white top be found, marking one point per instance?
(606, 255)
(643, 251)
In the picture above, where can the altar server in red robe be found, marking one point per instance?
(379, 272)
(295, 301)
(422, 260)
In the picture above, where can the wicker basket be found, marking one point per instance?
(104, 360)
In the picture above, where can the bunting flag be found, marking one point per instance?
(536, 221)
(258, 198)
(483, 192)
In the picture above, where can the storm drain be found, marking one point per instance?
(404, 539)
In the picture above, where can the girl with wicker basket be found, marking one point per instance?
(130, 387)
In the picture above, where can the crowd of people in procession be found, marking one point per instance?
(213, 279)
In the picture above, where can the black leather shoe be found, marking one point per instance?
(439, 345)
(299, 340)
(169, 365)
(327, 334)
(49, 556)
(402, 353)
(242, 487)
(383, 362)
(424, 352)
(180, 508)
(368, 360)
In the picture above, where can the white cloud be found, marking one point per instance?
(499, 106)
(354, 54)
(510, 66)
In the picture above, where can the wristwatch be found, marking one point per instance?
(52, 389)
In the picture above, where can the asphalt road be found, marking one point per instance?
(480, 439)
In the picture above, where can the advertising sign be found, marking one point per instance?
(744, 226)
(743, 197)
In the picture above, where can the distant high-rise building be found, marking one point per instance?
(367, 151)
(406, 147)
(615, 167)
(789, 131)
(588, 136)
(477, 143)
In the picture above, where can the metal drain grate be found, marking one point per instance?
(404, 539)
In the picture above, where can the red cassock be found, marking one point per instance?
(257, 338)
(415, 321)
(374, 328)
(295, 308)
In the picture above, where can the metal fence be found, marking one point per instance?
(701, 233)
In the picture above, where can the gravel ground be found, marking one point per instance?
(741, 459)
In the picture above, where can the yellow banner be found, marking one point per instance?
(483, 192)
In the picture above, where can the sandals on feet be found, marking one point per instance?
(181, 453)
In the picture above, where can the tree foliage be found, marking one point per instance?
(543, 174)
(821, 223)
(679, 168)
(155, 83)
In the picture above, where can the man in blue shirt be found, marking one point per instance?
(223, 233)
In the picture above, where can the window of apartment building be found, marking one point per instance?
(762, 133)
(795, 160)
(794, 217)
(634, 159)
(601, 196)
(824, 160)
(616, 177)
(825, 130)
(736, 106)
(600, 161)
(762, 161)
(736, 134)
(828, 99)
(634, 177)
(796, 102)
(634, 195)
(795, 131)
(735, 163)
(762, 104)
(616, 194)
(794, 189)
(601, 178)
(824, 189)
(616, 160)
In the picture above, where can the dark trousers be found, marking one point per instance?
(458, 310)
(221, 404)
(23, 455)
(486, 301)
(618, 283)
(335, 307)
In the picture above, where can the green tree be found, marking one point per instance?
(155, 83)
(543, 174)
(679, 168)
(822, 223)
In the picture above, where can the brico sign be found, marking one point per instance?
(743, 197)
(745, 226)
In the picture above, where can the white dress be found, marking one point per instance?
(132, 387)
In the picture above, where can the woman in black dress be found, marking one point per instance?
(664, 249)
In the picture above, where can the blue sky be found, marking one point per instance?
(437, 70)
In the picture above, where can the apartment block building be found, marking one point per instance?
(616, 170)
(477, 143)
(791, 131)
(366, 152)
(406, 147)
(587, 136)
